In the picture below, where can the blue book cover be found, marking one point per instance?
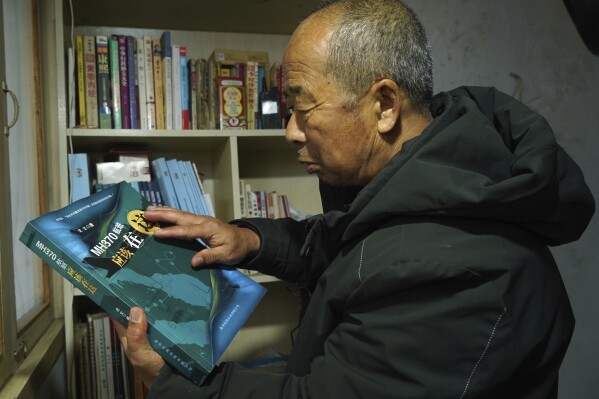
(180, 189)
(79, 176)
(105, 247)
(163, 177)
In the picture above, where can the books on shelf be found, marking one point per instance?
(104, 246)
(127, 82)
(262, 204)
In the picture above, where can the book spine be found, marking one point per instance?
(180, 189)
(133, 91)
(251, 97)
(80, 80)
(79, 176)
(176, 82)
(113, 48)
(101, 366)
(163, 177)
(108, 355)
(167, 79)
(92, 355)
(124, 83)
(196, 200)
(158, 86)
(140, 82)
(103, 74)
(150, 98)
(201, 109)
(117, 365)
(184, 89)
(91, 86)
(193, 93)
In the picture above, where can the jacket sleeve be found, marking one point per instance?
(280, 244)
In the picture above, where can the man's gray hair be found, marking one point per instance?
(379, 39)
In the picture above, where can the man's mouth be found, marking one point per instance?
(310, 167)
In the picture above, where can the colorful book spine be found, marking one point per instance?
(80, 61)
(251, 83)
(91, 85)
(184, 89)
(158, 85)
(113, 49)
(176, 78)
(133, 91)
(193, 93)
(103, 77)
(140, 82)
(124, 83)
(167, 79)
(150, 99)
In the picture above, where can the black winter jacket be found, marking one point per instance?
(437, 282)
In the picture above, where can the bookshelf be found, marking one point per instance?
(259, 157)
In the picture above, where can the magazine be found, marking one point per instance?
(105, 247)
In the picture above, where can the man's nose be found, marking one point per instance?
(293, 133)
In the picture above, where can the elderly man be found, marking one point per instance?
(430, 275)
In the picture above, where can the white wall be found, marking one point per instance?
(479, 42)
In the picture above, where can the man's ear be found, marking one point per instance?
(389, 101)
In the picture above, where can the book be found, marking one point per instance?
(133, 91)
(232, 110)
(79, 176)
(158, 85)
(115, 85)
(193, 188)
(91, 85)
(184, 88)
(80, 61)
(103, 78)
(193, 93)
(183, 197)
(104, 246)
(176, 86)
(251, 86)
(163, 177)
(124, 82)
(167, 78)
(101, 361)
(203, 104)
(71, 86)
(140, 83)
(150, 100)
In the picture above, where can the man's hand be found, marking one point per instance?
(229, 245)
(137, 348)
